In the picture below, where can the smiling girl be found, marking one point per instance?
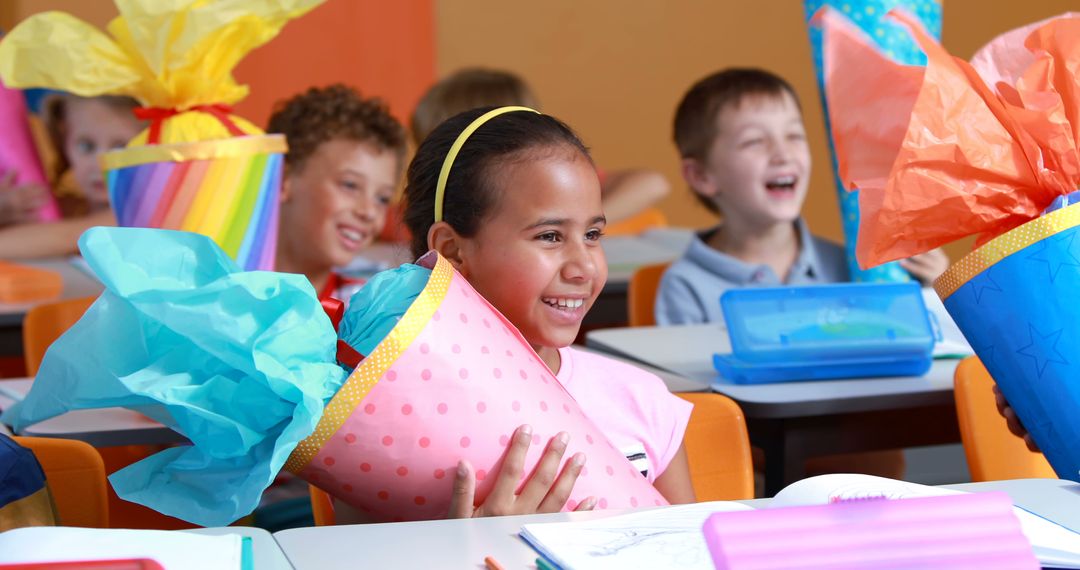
(511, 198)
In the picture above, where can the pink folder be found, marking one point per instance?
(977, 530)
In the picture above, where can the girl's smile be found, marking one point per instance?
(537, 256)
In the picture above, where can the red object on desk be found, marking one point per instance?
(22, 284)
(127, 564)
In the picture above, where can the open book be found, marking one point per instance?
(671, 537)
(173, 550)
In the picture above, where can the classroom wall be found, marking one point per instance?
(615, 69)
(381, 48)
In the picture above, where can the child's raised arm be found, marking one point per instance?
(629, 192)
(926, 267)
(49, 239)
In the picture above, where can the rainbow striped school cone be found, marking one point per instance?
(197, 167)
(227, 190)
(892, 40)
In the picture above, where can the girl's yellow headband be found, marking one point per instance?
(444, 174)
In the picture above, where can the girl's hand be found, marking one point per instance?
(546, 490)
(926, 266)
(1012, 421)
(19, 203)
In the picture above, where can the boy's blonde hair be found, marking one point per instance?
(695, 117)
(465, 90)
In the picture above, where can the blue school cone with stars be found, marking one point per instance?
(1015, 300)
(894, 41)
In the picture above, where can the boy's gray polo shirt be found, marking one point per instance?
(690, 289)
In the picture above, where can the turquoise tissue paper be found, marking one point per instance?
(241, 363)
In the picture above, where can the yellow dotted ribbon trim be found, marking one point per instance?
(365, 376)
(1005, 245)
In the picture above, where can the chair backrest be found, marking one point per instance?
(641, 294)
(45, 323)
(718, 448)
(322, 507)
(76, 478)
(644, 220)
(993, 452)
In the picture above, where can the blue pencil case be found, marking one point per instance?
(826, 332)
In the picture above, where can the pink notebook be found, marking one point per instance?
(977, 530)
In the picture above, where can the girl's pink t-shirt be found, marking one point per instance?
(633, 408)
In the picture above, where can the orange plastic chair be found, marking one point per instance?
(644, 220)
(641, 294)
(45, 323)
(76, 478)
(718, 448)
(993, 452)
(322, 507)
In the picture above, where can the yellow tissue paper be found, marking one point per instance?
(173, 55)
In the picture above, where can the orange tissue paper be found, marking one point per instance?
(956, 148)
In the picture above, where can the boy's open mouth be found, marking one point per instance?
(781, 186)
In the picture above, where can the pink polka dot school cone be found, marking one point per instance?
(250, 368)
(452, 380)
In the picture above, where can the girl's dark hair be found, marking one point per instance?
(470, 191)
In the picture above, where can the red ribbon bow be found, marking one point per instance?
(346, 354)
(157, 116)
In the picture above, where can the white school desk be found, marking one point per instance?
(77, 283)
(464, 543)
(100, 428)
(793, 421)
(267, 555)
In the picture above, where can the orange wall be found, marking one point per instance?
(382, 48)
(615, 69)
(96, 12)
